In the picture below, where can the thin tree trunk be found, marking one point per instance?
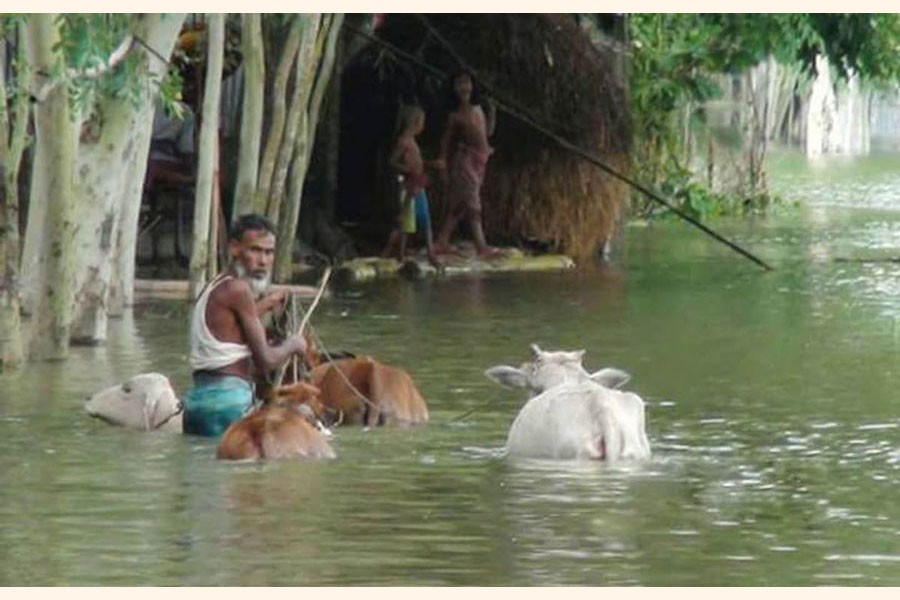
(13, 124)
(304, 73)
(50, 205)
(252, 114)
(324, 77)
(209, 128)
(276, 130)
(287, 225)
(11, 347)
(212, 252)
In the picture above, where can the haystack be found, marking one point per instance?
(546, 65)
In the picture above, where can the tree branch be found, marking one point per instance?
(117, 56)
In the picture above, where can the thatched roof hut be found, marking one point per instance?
(546, 65)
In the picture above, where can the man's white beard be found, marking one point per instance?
(259, 285)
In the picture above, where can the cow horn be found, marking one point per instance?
(536, 350)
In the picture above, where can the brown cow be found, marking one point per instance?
(281, 428)
(380, 394)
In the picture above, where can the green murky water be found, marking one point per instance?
(774, 418)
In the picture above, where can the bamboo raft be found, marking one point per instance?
(365, 269)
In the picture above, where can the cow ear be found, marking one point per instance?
(536, 351)
(610, 378)
(507, 376)
(149, 410)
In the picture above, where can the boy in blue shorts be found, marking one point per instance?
(406, 159)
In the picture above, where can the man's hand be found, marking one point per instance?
(296, 343)
(271, 301)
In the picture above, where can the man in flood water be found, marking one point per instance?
(227, 337)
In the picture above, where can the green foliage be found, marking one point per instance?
(868, 44)
(87, 41)
(674, 57)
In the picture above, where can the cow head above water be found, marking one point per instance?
(146, 401)
(547, 370)
(303, 397)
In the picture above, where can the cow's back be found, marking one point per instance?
(397, 397)
(632, 423)
(559, 423)
(273, 432)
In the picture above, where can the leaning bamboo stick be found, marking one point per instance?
(312, 307)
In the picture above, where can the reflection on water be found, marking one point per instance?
(772, 414)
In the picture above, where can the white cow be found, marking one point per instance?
(146, 401)
(572, 413)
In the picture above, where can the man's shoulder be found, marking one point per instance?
(232, 288)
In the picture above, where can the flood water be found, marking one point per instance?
(773, 416)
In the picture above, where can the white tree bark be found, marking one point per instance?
(209, 130)
(51, 208)
(110, 174)
(160, 31)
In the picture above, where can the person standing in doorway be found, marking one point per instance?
(464, 155)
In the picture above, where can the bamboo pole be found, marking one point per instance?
(323, 283)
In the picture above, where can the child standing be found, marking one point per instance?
(406, 160)
(464, 155)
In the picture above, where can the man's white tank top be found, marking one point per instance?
(208, 353)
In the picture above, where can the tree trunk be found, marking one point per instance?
(13, 123)
(11, 350)
(212, 251)
(307, 60)
(287, 224)
(50, 204)
(319, 67)
(276, 130)
(160, 31)
(209, 129)
(111, 168)
(252, 115)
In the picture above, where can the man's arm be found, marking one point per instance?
(265, 356)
